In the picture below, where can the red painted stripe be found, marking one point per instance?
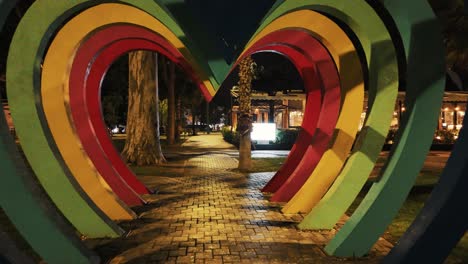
(309, 147)
(312, 111)
(102, 163)
(93, 82)
(88, 120)
(325, 127)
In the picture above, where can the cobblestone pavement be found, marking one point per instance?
(206, 212)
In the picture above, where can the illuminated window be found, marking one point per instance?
(295, 118)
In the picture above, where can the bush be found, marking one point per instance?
(287, 137)
(230, 136)
(440, 136)
(445, 137)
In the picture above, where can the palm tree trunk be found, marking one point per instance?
(245, 123)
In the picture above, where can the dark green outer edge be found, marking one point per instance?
(63, 12)
(23, 77)
(421, 35)
(383, 85)
(36, 219)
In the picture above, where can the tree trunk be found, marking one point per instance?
(208, 129)
(159, 153)
(245, 122)
(171, 108)
(178, 118)
(194, 131)
(142, 146)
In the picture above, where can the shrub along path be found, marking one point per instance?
(204, 211)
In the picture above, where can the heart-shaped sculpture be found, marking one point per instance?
(61, 51)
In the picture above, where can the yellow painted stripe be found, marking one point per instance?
(54, 91)
(347, 60)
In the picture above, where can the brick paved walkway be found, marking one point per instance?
(204, 211)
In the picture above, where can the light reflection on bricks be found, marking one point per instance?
(213, 214)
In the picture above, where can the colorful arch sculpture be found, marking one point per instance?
(443, 220)
(313, 140)
(85, 103)
(40, 162)
(58, 182)
(395, 37)
(54, 71)
(383, 89)
(319, 66)
(352, 85)
(423, 98)
(49, 234)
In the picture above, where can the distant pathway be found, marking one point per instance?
(205, 212)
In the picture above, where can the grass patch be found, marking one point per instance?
(406, 216)
(119, 142)
(171, 168)
(460, 252)
(428, 178)
(267, 164)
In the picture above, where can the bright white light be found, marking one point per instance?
(263, 132)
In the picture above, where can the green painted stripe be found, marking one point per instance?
(422, 40)
(38, 221)
(23, 75)
(383, 87)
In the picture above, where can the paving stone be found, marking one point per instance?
(198, 248)
(210, 213)
(221, 251)
(231, 259)
(206, 254)
(186, 259)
